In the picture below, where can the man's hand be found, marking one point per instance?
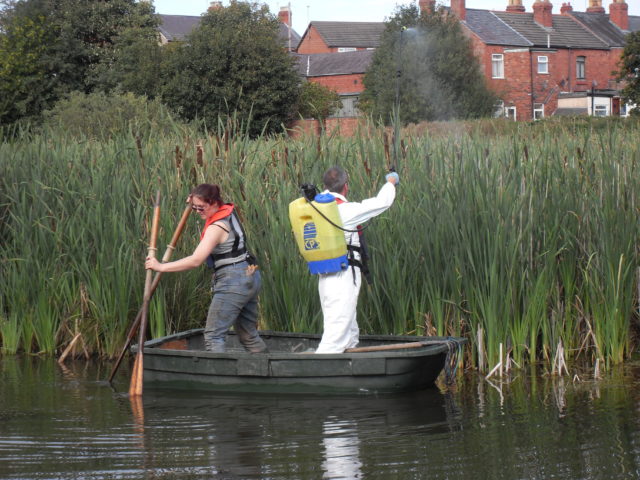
(393, 177)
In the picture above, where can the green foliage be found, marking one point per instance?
(49, 48)
(26, 83)
(629, 70)
(233, 65)
(521, 234)
(136, 65)
(102, 116)
(317, 101)
(430, 66)
(87, 34)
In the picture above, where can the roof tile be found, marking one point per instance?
(350, 34)
(322, 64)
(492, 30)
(566, 32)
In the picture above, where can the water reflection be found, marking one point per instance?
(267, 436)
(341, 450)
(67, 423)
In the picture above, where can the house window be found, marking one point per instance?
(601, 111)
(580, 67)
(349, 107)
(538, 111)
(346, 49)
(497, 65)
(543, 64)
(510, 113)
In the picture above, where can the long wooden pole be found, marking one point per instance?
(393, 346)
(380, 348)
(156, 280)
(135, 387)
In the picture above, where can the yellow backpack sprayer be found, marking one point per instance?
(317, 228)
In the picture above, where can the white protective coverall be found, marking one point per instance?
(338, 291)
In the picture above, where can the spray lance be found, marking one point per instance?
(396, 107)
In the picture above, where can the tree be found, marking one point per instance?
(629, 70)
(317, 101)
(49, 48)
(233, 66)
(26, 81)
(429, 67)
(136, 64)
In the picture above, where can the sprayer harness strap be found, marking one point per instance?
(362, 249)
(362, 263)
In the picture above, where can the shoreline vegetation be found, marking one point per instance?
(520, 237)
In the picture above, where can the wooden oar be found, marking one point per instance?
(393, 346)
(135, 387)
(156, 280)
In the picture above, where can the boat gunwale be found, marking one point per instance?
(436, 346)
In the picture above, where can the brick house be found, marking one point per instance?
(342, 73)
(530, 59)
(339, 37)
(337, 55)
(539, 63)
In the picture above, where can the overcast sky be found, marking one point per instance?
(305, 11)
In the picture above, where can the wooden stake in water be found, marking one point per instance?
(135, 387)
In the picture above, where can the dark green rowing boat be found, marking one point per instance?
(380, 364)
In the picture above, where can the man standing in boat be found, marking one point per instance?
(339, 291)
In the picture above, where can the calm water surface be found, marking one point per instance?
(68, 423)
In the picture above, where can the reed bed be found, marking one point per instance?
(523, 241)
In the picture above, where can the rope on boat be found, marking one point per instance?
(454, 350)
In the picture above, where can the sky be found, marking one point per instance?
(305, 11)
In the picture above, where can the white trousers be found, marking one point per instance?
(339, 299)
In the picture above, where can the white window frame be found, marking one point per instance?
(497, 65)
(581, 67)
(538, 111)
(346, 49)
(543, 64)
(511, 113)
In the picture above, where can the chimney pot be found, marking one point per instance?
(515, 6)
(215, 6)
(427, 6)
(542, 13)
(566, 8)
(619, 14)
(595, 6)
(284, 15)
(459, 8)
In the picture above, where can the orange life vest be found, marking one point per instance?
(223, 212)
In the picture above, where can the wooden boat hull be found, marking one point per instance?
(180, 361)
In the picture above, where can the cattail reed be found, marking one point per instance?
(514, 235)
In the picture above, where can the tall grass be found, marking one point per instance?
(516, 234)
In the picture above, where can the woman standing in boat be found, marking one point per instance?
(236, 280)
